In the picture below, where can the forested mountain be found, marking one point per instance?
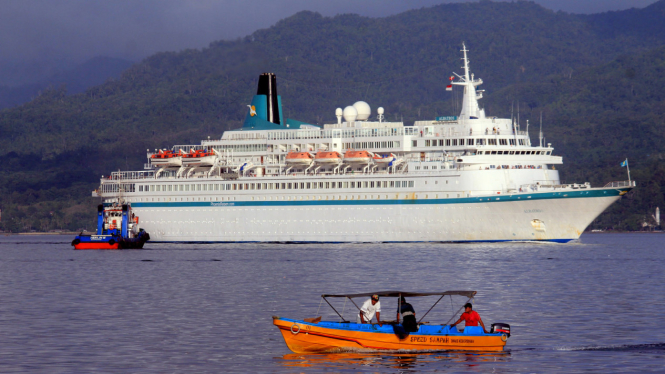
(595, 79)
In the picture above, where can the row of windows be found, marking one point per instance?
(271, 186)
(298, 198)
(115, 187)
(461, 142)
(368, 145)
(515, 152)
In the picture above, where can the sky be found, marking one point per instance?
(39, 33)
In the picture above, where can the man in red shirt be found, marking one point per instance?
(470, 317)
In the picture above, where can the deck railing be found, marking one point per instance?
(619, 184)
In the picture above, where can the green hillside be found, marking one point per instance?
(53, 149)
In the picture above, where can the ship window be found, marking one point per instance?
(414, 143)
(140, 188)
(302, 186)
(210, 187)
(454, 142)
(378, 184)
(491, 141)
(339, 184)
(385, 185)
(434, 167)
(320, 184)
(327, 184)
(309, 185)
(503, 142)
(512, 141)
(204, 187)
(366, 184)
(448, 142)
(333, 185)
(499, 152)
(427, 143)
(371, 184)
(314, 185)
(216, 187)
(469, 141)
(289, 186)
(493, 152)
(346, 184)
(549, 153)
(353, 184)
(411, 183)
(158, 188)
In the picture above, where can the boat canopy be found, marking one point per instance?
(468, 294)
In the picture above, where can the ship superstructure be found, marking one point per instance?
(459, 178)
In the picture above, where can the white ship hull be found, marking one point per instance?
(503, 218)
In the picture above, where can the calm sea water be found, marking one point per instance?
(595, 305)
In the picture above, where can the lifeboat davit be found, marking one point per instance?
(383, 160)
(199, 157)
(299, 158)
(166, 158)
(328, 157)
(357, 157)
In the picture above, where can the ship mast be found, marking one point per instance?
(470, 109)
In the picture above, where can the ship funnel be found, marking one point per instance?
(265, 112)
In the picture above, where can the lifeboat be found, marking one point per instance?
(166, 158)
(357, 157)
(328, 157)
(299, 158)
(383, 160)
(199, 157)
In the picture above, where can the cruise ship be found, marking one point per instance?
(361, 178)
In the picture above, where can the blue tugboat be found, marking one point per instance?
(117, 228)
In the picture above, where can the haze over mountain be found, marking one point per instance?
(569, 66)
(76, 80)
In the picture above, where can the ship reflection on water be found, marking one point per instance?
(390, 360)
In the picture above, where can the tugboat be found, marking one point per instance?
(117, 228)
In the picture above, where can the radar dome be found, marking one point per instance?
(339, 112)
(350, 114)
(380, 110)
(363, 109)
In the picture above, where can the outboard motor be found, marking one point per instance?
(500, 328)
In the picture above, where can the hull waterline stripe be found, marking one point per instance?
(460, 200)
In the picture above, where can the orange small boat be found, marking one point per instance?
(328, 157)
(311, 335)
(299, 158)
(357, 157)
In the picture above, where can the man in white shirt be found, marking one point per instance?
(369, 308)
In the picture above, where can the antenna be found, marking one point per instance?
(541, 130)
(518, 116)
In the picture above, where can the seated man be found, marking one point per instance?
(409, 316)
(470, 317)
(368, 309)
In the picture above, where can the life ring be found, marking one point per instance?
(504, 337)
(295, 332)
(136, 220)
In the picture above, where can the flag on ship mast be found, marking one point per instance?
(625, 163)
(449, 87)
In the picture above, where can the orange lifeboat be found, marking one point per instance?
(199, 157)
(328, 157)
(357, 157)
(299, 158)
(166, 158)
